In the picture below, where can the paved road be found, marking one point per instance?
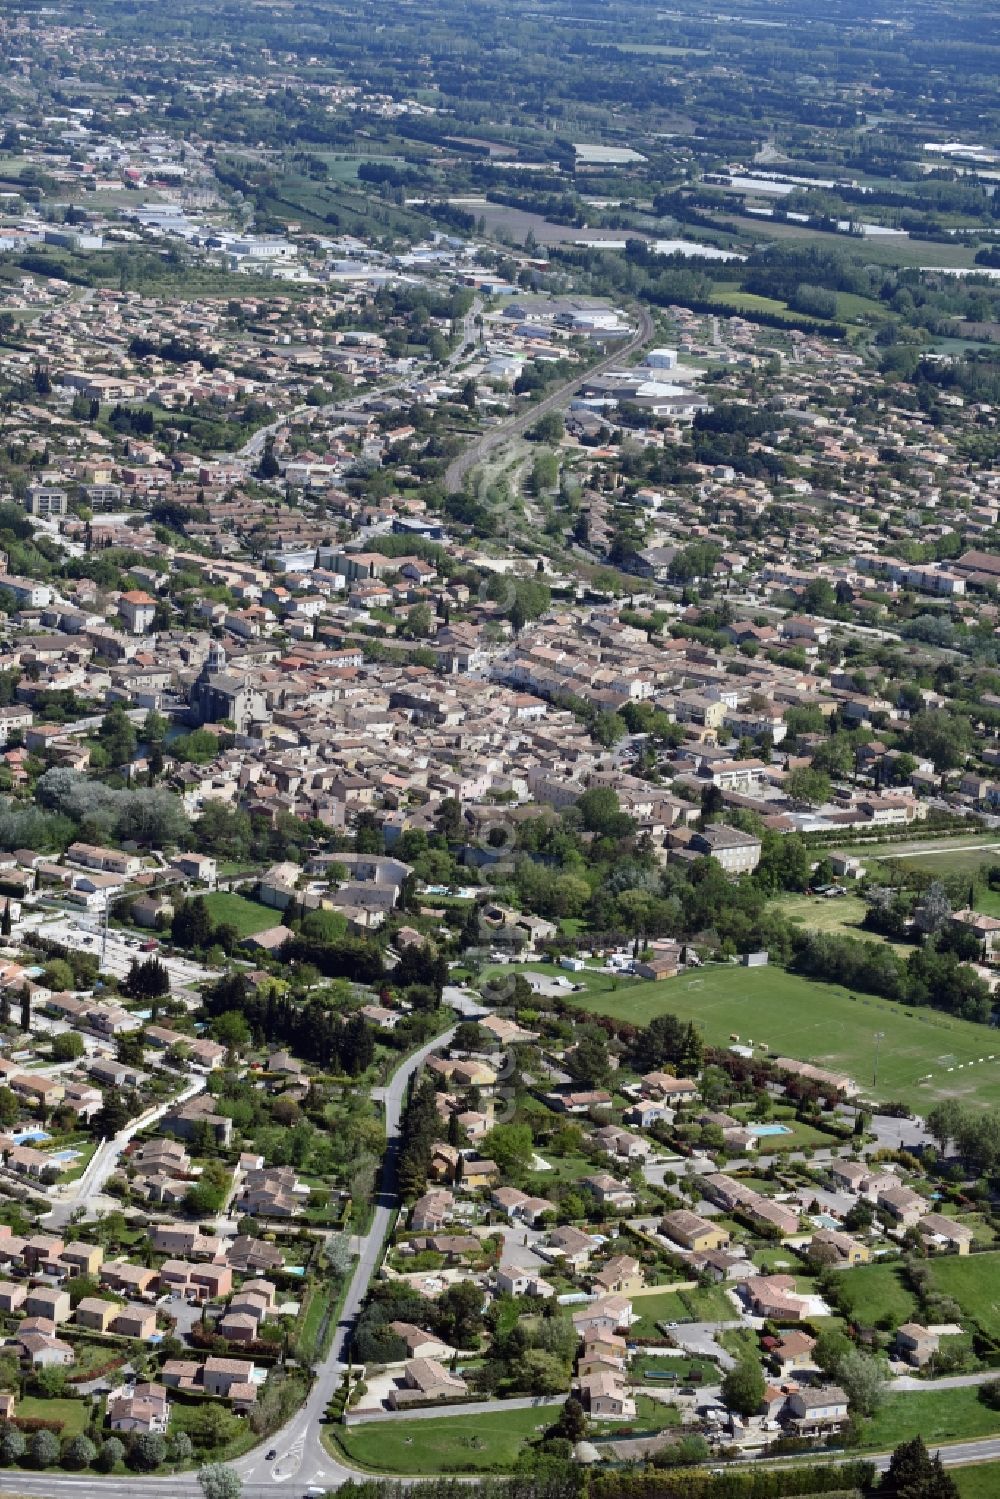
(475, 1408)
(301, 1454)
(477, 451)
(947, 1382)
(105, 1159)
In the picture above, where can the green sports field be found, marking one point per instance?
(826, 1025)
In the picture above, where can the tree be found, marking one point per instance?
(147, 980)
(154, 728)
(458, 1315)
(12, 1445)
(192, 923)
(572, 1422)
(743, 1387)
(5, 920)
(26, 1009)
(667, 1042)
(111, 1453)
(232, 1030)
(219, 1481)
(180, 1448)
(510, 1145)
(419, 623)
(808, 785)
(268, 467)
(43, 1449)
(112, 1117)
(146, 1450)
(78, 1452)
(588, 1062)
(913, 1474)
(117, 735)
(862, 1379)
(338, 1255)
(67, 1047)
(831, 1347)
(933, 910)
(944, 1121)
(941, 736)
(602, 814)
(58, 975)
(542, 1373)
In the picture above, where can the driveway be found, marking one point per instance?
(518, 1249)
(700, 1338)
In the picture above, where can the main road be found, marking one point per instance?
(474, 454)
(254, 446)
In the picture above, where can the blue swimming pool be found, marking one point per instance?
(24, 1136)
(769, 1129)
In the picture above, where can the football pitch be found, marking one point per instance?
(923, 1055)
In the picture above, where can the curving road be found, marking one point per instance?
(301, 1454)
(104, 1161)
(477, 451)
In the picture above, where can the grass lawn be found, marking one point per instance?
(446, 1444)
(72, 1413)
(988, 901)
(936, 1415)
(76, 1168)
(842, 915)
(982, 1481)
(318, 1299)
(800, 1136)
(871, 1293)
(245, 915)
(703, 1305)
(823, 1024)
(974, 1282)
(664, 1306)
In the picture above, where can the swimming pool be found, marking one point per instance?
(35, 1135)
(63, 1155)
(769, 1129)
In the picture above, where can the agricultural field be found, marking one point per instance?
(824, 1024)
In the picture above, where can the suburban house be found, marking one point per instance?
(425, 1380)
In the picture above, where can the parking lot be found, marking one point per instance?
(84, 933)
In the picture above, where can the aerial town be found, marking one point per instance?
(499, 762)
